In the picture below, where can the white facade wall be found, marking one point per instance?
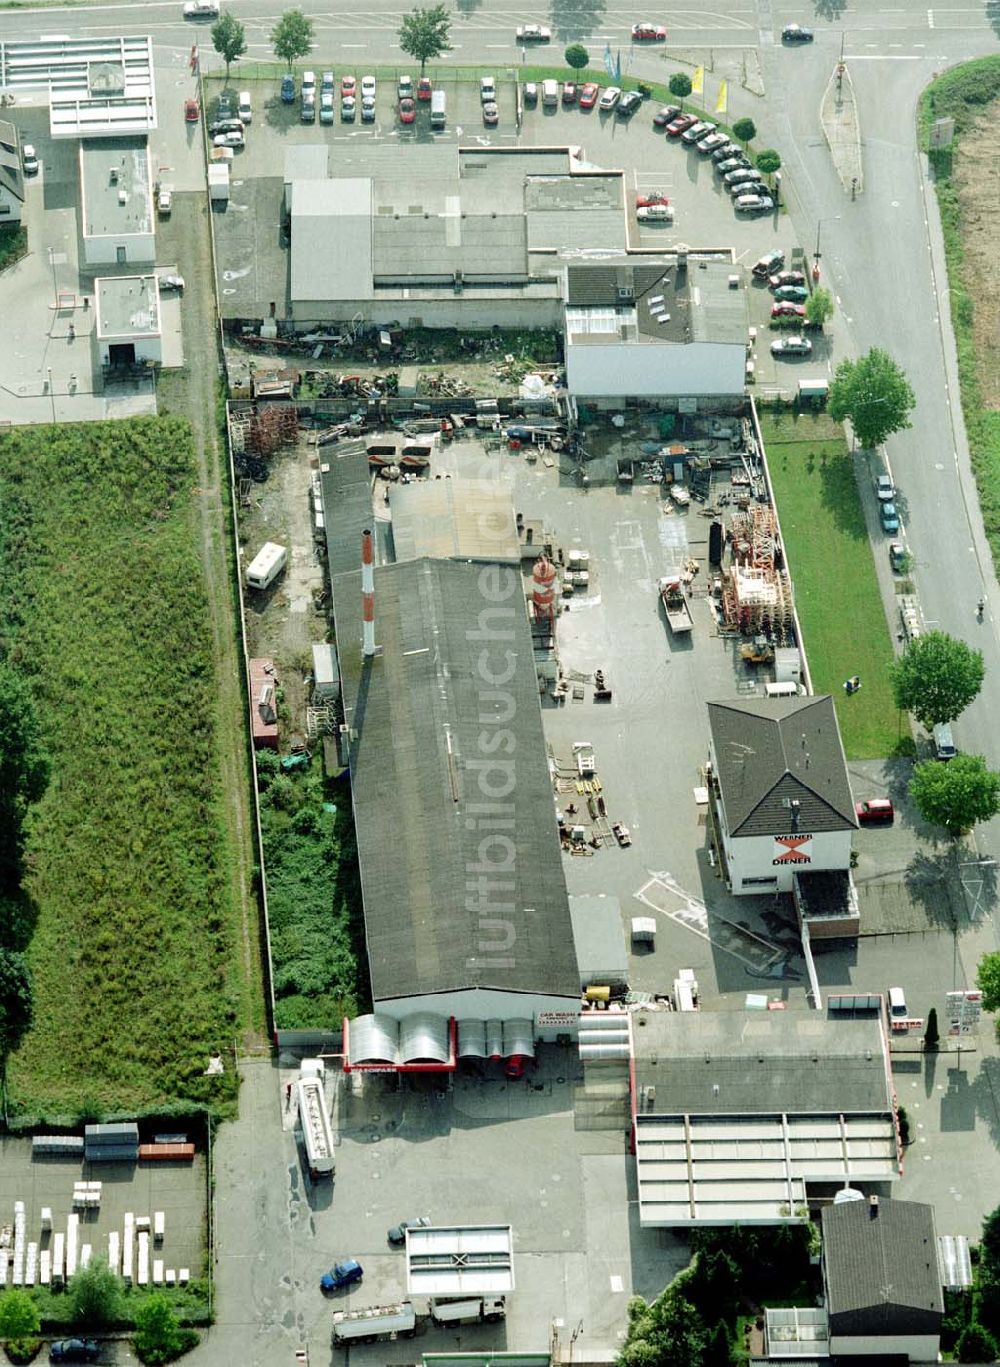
(148, 348)
(648, 369)
(753, 857)
(917, 1347)
(487, 1004)
(139, 249)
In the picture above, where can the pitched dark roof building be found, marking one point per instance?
(11, 176)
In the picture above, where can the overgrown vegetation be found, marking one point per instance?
(827, 543)
(13, 244)
(160, 1337)
(314, 897)
(964, 94)
(697, 1320)
(56, 1308)
(126, 923)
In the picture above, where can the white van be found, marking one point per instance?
(244, 110)
(550, 92)
(266, 565)
(896, 1004)
(439, 109)
(944, 742)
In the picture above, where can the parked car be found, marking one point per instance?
(404, 88)
(874, 810)
(645, 198)
(530, 89)
(229, 140)
(646, 32)
(735, 163)
(164, 200)
(201, 9)
(588, 95)
(792, 294)
(741, 174)
(889, 517)
(628, 104)
(609, 98)
(308, 81)
(726, 150)
(348, 86)
(697, 131)
(787, 311)
(795, 33)
(171, 284)
(192, 113)
(29, 159)
(768, 264)
(655, 213)
(407, 110)
(425, 88)
(348, 109)
(368, 109)
(307, 109)
(244, 108)
(753, 203)
(792, 346)
(225, 105)
(326, 108)
(368, 87)
(397, 1235)
(898, 557)
(710, 143)
(885, 490)
(781, 278)
(491, 114)
(341, 1274)
(287, 89)
(487, 90)
(569, 92)
(75, 1350)
(327, 82)
(665, 114)
(225, 126)
(533, 33)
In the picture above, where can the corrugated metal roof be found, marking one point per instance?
(771, 752)
(459, 519)
(428, 243)
(437, 917)
(347, 503)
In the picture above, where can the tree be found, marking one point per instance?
(667, 1333)
(292, 36)
(819, 306)
(988, 982)
(719, 1348)
(679, 85)
(873, 394)
(159, 1336)
(424, 34)
(19, 1318)
(577, 56)
(936, 678)
(96, 1296)
(932, 1035)
(956, 795)
(976, 1344)
(16, 999)
(229, 38)
(768, 160)
(745, 130)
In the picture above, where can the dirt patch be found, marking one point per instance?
(974, 179)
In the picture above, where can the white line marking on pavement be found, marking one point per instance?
(930, 18)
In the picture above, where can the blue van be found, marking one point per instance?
(341, 1274)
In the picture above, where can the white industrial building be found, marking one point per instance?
(779, 794)
(670, 327)
(129, 327)
(116, 202)
(460, 1260)
(96, 86)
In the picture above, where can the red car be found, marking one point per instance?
(649, 33)
(785, 310)
(569, 92)
(651, 197)
(407, 110)
(192, 111)
(348, 86)
(589, 94)
(681, 124)
(424, 88)
(874, 810)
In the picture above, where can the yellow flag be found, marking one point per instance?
(722, 102)
(698, 80)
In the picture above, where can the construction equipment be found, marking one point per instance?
(675, 603)
(759, 651)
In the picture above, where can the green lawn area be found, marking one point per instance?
(130, 933)
(836, 592)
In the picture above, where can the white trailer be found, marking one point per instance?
(317, 1131)
(375, 1322)
(266, 565)
(472, 1309)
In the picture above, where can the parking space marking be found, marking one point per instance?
(664, 895)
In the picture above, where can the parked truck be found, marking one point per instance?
(374, 1322)
(675, 604)
(314, 1117)
(473, 1309)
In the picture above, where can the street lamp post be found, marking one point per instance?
(817, 253)
(52, 393)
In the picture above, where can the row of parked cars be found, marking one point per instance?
(739, 176)
(585, 96)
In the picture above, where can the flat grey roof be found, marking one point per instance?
(127, 306)
(695, 304)
(117, 195)
(771, 752)
(454, 519)
(347, 503)
(428, 242)
(760, 1063)
(600, 939)
(422, 782)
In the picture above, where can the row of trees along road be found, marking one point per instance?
(424, 34)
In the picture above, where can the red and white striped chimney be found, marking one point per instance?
(368, 592)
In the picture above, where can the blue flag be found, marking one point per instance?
(609, 65)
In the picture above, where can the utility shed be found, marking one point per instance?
(600, 943)
(263, 704)
(883, 1284)
(466, 911)
(454, 519)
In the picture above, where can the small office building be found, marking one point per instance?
(129, 328)
(116, 202)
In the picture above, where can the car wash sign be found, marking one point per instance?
(792, 849)
(963, 1010)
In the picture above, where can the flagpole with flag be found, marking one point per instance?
(618, 68)
(722, 103)
(609, 61)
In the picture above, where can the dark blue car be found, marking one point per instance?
(341, 1274)
(288, 89)
(74, 1350)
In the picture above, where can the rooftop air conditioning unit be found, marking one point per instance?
(626, 292)
(122, 197)
(459, 282)
(114, 175)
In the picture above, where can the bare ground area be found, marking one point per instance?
(974, 178)
(192, 393)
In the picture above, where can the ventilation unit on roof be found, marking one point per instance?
(459, 282)
(626, 292)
